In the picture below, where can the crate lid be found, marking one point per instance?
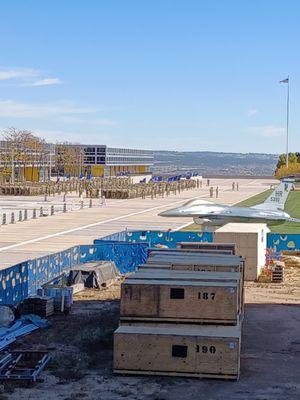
(180, 283)
(216, 331)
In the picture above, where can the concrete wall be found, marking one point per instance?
(251, 244)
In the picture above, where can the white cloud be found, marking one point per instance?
(27, 77)
(266, 131)
(47, 82)
(251, 112)
(18, 73)
(15, 109)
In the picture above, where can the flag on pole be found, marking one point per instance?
(284, 81)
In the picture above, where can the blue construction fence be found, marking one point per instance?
(158, 238)
(275, 241)
(22, 280)
(127, 249)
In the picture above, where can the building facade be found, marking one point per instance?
(101, 160)
(24, 162)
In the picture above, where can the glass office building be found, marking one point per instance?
(100, 160)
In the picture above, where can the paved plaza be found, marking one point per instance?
(34, 238)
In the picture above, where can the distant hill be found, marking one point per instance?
(215, 163)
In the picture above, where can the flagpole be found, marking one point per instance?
(287, 121)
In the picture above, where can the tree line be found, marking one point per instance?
(24, 154)
(293, 165)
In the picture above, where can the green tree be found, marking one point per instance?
(282, 160)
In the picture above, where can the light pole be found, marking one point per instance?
(287, 80)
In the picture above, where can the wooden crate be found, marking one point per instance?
(183, 266)
(170, 254)
(203, 276)
(169, 349)
(199, 259)
(221, 248)
(182, 301)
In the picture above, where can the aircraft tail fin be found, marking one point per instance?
(278, 197)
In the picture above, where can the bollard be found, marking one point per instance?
(65, 208)
(41, 212)
(34, 213)
(90, 203)
(20, 215)
(52, 210)
(217, 192)
(12, 218)
(4, 219)
(25, 214)
(81, 203)
(64, 198)
(45, 197)
(211, 191)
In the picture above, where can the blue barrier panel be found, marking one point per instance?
(11, 290)
(31, 277)
(127, 256)
(116, 237)
(166, 238)
(54, 265)
(74, 256)
(282, 242)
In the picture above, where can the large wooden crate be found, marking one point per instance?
(182, 301)
(168, 349)
(192, 257)
(183, 266)
(198, 276)
(198, 262)
(220, 248)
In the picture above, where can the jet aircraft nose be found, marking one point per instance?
(175, 212)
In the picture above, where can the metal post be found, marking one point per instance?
(287, 121)
(287, 80)
(12, 218)
(34, 213)
(91, 203)
(41, 212)
(52, 210)
(25, 214)
(65, 208)
(20, 215)
(3, 219)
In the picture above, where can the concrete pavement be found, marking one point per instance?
(34, 238)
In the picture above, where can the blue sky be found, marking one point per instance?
(159, 74)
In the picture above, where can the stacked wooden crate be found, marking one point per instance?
(39, 305)
(181, 314)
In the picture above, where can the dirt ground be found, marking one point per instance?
(81, 346)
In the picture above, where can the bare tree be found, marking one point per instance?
(22, 149)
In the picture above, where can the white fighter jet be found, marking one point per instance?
(207, 213)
